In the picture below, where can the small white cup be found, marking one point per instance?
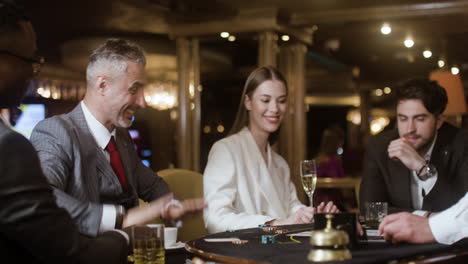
(170, 236)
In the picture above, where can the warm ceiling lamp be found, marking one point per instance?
(441, 63)
(427, 54)
(455, 92)
(285, 38)
(386, 29)
(408, 43)
(224, 34)
(454, 70)
(232, 38)
(378, 92)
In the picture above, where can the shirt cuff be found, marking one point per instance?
(444, 228)
(175, 223)
(419, 212)
(108, 219)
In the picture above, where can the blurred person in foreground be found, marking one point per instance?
(245, 182)
(446, 227)
(420, 167)
(33, 229)
(88, 156)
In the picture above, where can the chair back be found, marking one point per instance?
(186, 184)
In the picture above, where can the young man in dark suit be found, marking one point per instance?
(420, 167)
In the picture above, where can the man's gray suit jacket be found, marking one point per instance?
(82, 177)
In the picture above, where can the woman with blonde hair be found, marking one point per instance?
(245, 182)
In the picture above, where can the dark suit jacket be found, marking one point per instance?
(389, 180)
(82, 177)
(33, 229)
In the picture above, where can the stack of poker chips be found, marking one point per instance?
(268, 239)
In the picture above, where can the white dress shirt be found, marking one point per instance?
(451, 225)
(419, 188)
(102, 136)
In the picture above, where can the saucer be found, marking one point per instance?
(175, 245)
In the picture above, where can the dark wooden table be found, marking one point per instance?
(291, 249)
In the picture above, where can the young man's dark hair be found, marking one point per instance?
(432, 95)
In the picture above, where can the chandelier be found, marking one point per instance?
(161, 95)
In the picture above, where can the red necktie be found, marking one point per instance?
(116, 163)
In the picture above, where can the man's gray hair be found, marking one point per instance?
(112, 56)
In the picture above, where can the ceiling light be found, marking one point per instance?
(409, 43)
(378, 92)
(386, 29)
(232, 38)
(441, 63)
(387, 90)
(284, 37)
(224, 34)
(427, 54)
(455, 70)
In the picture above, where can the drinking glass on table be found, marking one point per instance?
(148, 244)
(375, 213)
(309, 178)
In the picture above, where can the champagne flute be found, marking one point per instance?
(309, 178)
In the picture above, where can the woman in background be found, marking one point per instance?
(245, 182)
(329, 164)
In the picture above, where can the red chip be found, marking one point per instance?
(240, 242)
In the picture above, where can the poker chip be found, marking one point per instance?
(270, 228)
(280, 231)
(240, 242)
(268, 239)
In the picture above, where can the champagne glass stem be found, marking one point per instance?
(311, 199)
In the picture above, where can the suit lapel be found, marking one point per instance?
(96, 164)
(439, 158)
(401, 188)
(259, 171)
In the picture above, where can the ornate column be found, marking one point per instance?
(267, 48)
(365, 111)
(188, 122)
(292, 140)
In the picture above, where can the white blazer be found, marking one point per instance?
(241, 190)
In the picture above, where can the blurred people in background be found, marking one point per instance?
(329, 164)
(245, 182)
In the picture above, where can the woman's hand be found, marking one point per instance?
(328, 208)
(302, 216)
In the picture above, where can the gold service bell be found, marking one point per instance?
(329, 244)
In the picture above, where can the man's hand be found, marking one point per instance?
(187, 206)
(402, 150)
(142, 214)
(406, 227)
